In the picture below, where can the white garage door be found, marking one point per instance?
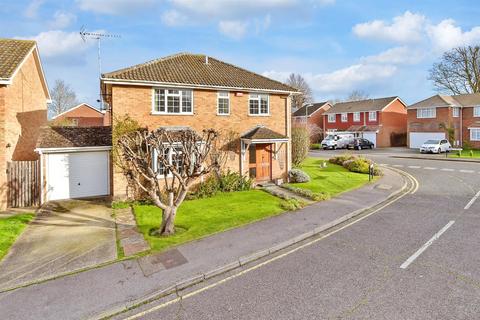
(371, 136)
(419, 138)
(77, 175)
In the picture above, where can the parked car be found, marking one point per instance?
(435, 146)
(337, 141)
(361, 143)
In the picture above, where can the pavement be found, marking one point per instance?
(120, 285)
(65, 236)
(358, 272)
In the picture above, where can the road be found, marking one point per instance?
(418, 258)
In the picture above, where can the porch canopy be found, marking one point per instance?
(364, 128)
(261, 134)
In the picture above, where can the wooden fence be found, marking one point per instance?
(23, 179)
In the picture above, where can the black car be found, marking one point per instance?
(360, 143)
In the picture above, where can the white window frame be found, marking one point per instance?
(180, 95)
(170, 161)
(476, 111)
(219, 96)
(372, 116)
(456, 112)
(344, 117)
(426, 113)
(258, 97)
(356, 117)
(331, 118)
(474, 134)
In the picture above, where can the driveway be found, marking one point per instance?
(64, 237)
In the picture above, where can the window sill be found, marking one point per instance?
(223, 114)
(259, 115)
(171, 114)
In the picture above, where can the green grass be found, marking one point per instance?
(466, 154)
(199, 218)
(10, 229)
(333, 179)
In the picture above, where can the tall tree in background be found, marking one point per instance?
(458, 71)
(63, 98)
(298, 82)
(357, 95)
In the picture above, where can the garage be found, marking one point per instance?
(370, 136)
(416, 139)
(75, 162)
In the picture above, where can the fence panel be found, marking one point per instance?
(23, 178)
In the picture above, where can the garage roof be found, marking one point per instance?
(74, 137)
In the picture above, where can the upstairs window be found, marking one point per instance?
(356, 116)
(258, 104)
(476, 111)
(456, 112)
(223, 103)
(344, 117)
(426, 113)
(372, 116)
(173, 101)
(331, 118)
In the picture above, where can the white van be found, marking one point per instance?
(337, 140)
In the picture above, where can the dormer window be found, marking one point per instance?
(172, 101)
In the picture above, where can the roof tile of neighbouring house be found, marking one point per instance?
(72, 137)
(310, 108)
(434, 101)
(362, 105)
(468, 100)
(193, 69)
(261, 133)
(12, 53)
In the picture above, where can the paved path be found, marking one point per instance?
(118, 285)
(65, 236)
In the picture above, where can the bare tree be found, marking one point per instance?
(458, 71)
(165, 163)
(298, 82)
(357, 95)
(63, 98)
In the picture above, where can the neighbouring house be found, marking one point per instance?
(311, 116)
(82, 115)
(456, 118)
(382, 121)
(182, 90)
(23, 105)
(75, 162)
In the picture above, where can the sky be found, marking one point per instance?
(383, 48)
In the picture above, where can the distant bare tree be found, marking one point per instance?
(63, 98)
(458, 71)
(357, 95)
(298, 82)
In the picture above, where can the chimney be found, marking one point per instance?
(206, 59)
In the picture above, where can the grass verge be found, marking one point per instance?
(201, 217)
(10, 229)
(466, 154)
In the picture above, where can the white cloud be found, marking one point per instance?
(174, 18)
(62, 20)
(406, 28)
(396, 56)
(447, 35)
(32, 9)
(233, 29)
(115, 7)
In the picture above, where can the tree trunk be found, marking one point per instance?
(168, 222)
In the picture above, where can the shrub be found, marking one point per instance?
(341, 159)
(300, 144)
(471, 153)
(459, 153)
(308, 194)
(292, 204)
(226, 182)
(298, 176)
(361, 165)
(315, 146)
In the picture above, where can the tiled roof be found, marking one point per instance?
(12, 53)
(362, 105)
(193, 69)
(70, 137)
(363, 128)
(310, 108)
(261, 133)
(468, 100)
(465, 100)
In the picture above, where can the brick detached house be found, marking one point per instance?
(311, 115)
(382, 121)
(427, 119)
(23, 104)
(82, 115)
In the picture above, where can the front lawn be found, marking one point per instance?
(472, 154)
(333, 179)
(199, 218)
(10, 229)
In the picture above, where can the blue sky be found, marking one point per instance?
(383, 48)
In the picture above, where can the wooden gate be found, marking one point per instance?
(23, 178)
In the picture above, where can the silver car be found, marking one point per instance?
(435, 146)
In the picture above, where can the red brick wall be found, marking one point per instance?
(136, 101)
(84, 116)
(315, 124)
(393, 120)
(468, 121)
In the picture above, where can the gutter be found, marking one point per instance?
(72, 149)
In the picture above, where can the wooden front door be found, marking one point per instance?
(260, 163)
